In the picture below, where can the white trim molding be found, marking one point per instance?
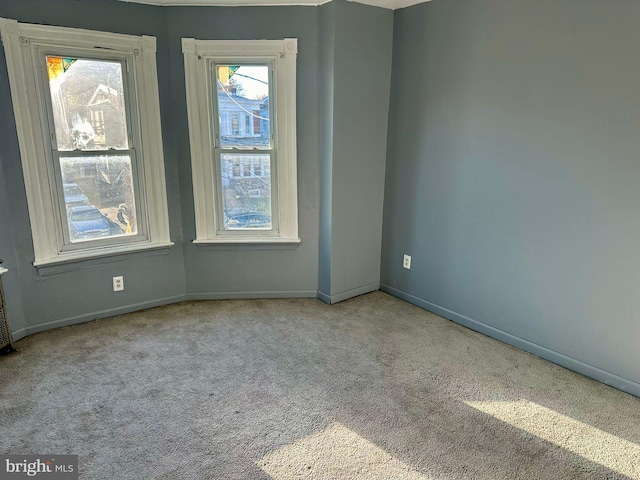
(199, 57)
(21, 40)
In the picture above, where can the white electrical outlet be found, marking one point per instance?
(406, 262)
(118, 284)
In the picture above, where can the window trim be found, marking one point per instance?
(30, 125)
(198, 54)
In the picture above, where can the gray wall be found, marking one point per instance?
(239, 271)
(513, 173)
(359, 41)
(10, 280)
(49, 297)
(82, 291)
(325, 100)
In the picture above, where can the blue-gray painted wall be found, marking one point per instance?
(512, 175)
(8, 240)
(10, 279)
(54, 296)
(82, 291)
(359, 41)
(232, 271)
(325, 104)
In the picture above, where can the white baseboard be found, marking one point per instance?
(585, 369)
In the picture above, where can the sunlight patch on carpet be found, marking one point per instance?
(591, 443)
(335, 452)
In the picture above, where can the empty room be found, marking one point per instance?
(282, 239)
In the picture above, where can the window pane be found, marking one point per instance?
(87, 97)
(99, 197)
(246, 191)
(243, 106)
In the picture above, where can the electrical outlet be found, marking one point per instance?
(406, 262)
(118, 284)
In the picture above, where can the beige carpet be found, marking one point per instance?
(371, 388)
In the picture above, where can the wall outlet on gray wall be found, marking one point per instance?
(118, 284)
(406, 262)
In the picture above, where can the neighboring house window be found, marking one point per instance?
(235, 124)
(257, 168)
(256, 122)
(236, 198)
(87, 114)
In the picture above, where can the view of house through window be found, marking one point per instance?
(244, 146)
(92, 147)
(243, 141)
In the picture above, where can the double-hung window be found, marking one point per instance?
(242, 126)
(87, 115)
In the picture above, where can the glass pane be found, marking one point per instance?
(246, 191)
(87, 97)
(243, 106)
(99, 197)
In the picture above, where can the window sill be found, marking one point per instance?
(249, 241)
(255, 243)
(72, 257)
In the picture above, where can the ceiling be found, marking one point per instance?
(391, 4)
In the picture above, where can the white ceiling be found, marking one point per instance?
(391, 4)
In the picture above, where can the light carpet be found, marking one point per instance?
(371, 388)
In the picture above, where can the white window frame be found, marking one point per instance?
(20, 41)
(199, 55)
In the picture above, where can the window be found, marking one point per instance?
(235, 124)
(87, 115)
(256, 122)
(244, 172)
